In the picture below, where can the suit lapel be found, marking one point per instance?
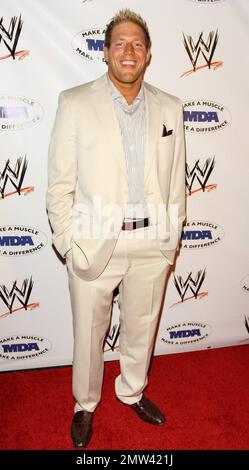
(106, 114)
(152, 104)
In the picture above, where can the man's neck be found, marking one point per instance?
(128, 90)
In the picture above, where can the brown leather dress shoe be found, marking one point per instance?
(147, 411)
(81, 428)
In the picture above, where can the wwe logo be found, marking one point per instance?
(201, 175)
(112, 337)
(247, 324)
(15, 176)
(193, 285)
(10, 36)
(21, 294)
(204, 49)
(246, 340)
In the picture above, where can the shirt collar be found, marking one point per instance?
(117, 95)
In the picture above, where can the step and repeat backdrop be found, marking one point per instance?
(199, 53)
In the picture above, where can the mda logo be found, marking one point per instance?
(185, 333)
(89, 44)
(23, 347)
(204, 116)
(18, 112)
(19, 240)
(199, 234)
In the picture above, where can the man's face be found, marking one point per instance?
(127, 55)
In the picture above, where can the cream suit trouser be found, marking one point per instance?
(140, 270)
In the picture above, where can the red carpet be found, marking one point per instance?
(204, 394)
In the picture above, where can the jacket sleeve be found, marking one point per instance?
(62, 175)
(177, 193)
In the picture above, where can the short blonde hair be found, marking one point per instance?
(123, 16)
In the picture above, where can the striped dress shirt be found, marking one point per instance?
(132, 123)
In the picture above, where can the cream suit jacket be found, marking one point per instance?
(87, 169)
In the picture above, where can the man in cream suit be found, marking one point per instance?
(116, 203)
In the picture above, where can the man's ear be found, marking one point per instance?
(148, 56)
(106, 54)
